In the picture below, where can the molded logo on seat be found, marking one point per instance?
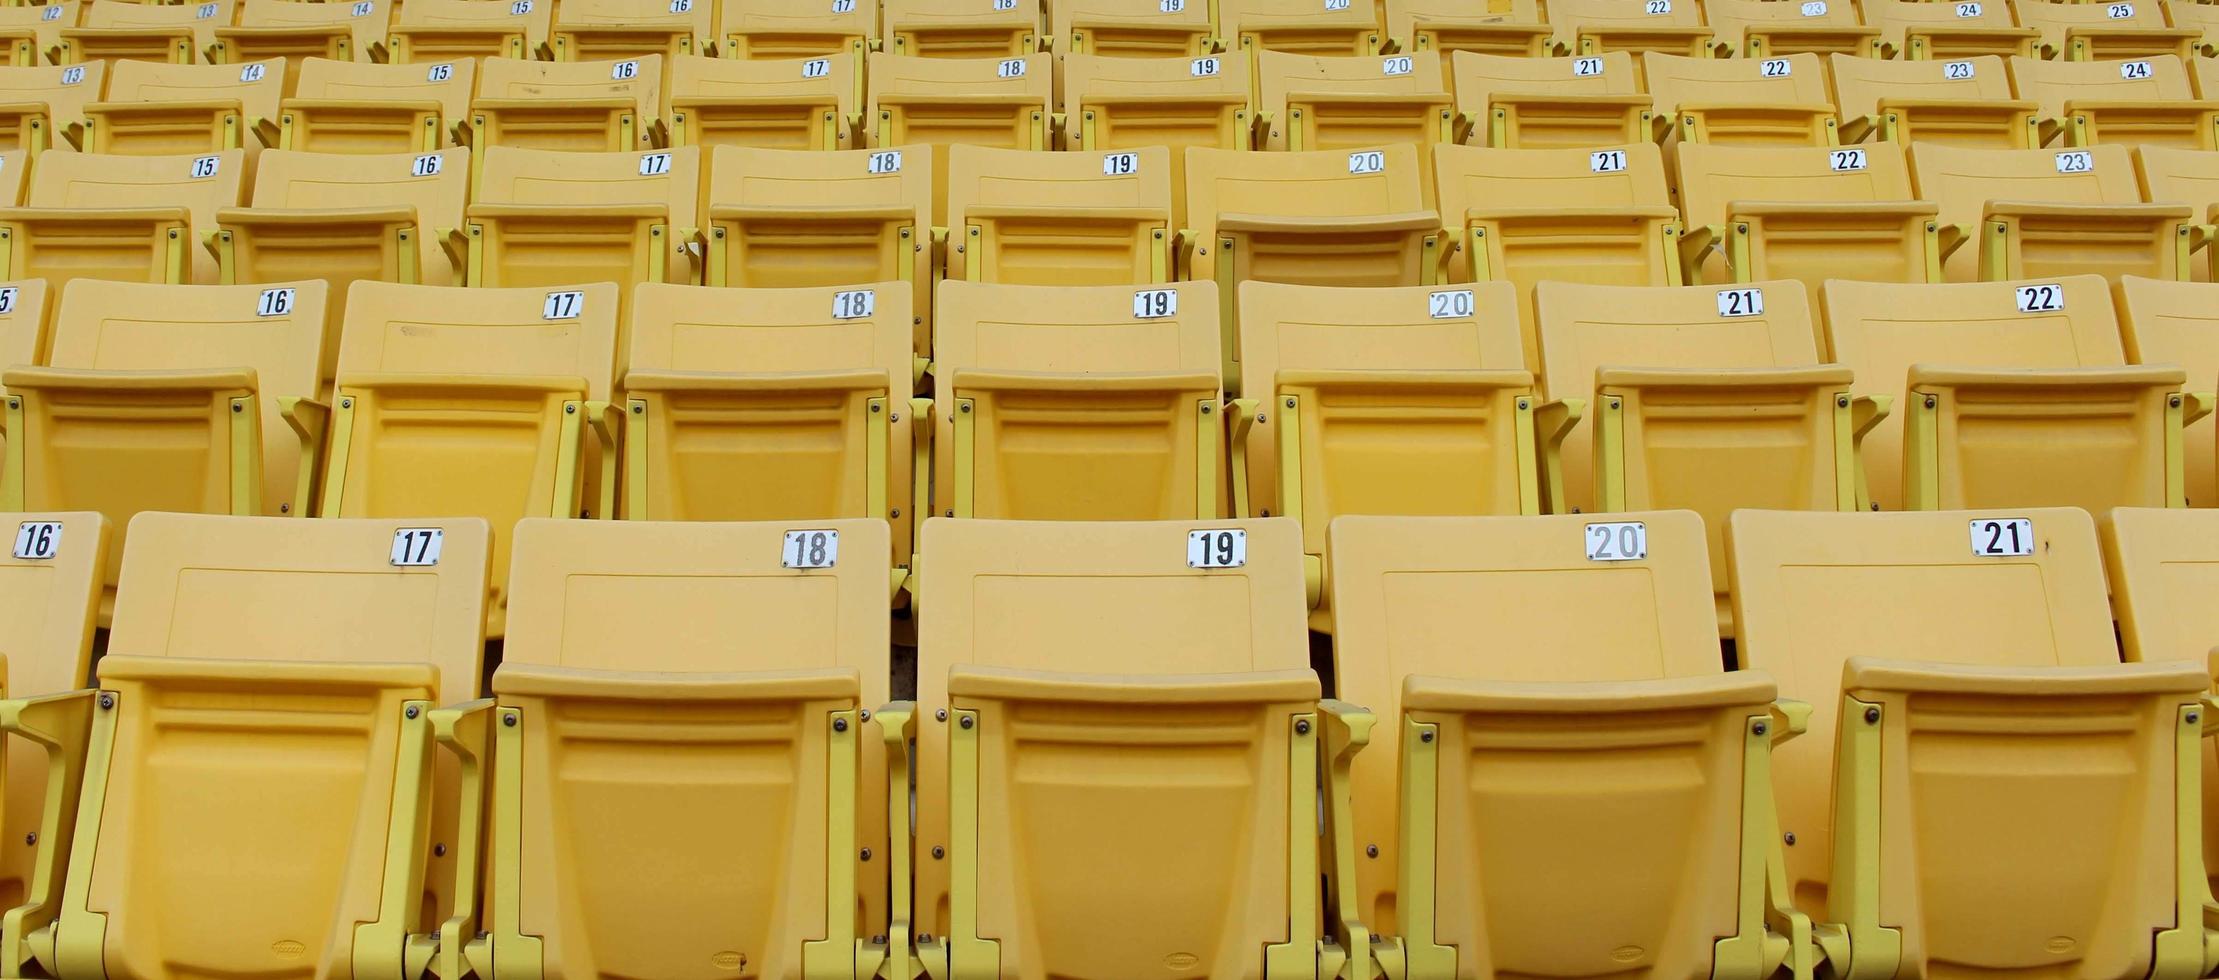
(729, 960)
(1181, 962)
(287, 949)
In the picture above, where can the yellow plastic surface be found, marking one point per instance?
(152, 108)
(1533, 103)
(2079, 32)
(1961, 101)
(2167, 322)
(2147, 101)
(1508, 27)
(2205, 21)
(1130, 28)
(567, 105)
(1299, 27)
(1758, 29)
(2029, 219)
(353, 31)
(1789, 213)
(26, 332)
(47, 609)
(940, 30)
(782, 29)
(1588, 27)
(1918, 30)
(944, 102)
(1742, 101)
(431, 31)
(1059, 219)
(39, 103)
(131, 218)
(777, 103)
(146, 31)
(1324, 102)
(1130, 103)
(359, 107)
(608, 30)
(548, 217)
(28, 35)
(2176, 176)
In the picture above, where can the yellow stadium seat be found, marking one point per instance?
(145, 31)
(1633, 26)
(781, 103)
(1919, 30)
(566, 105)
(1601, 216)
(2167, 322)
(773, 404)
(347, 30)
(1588, 100)
(1444, 27)
(2176, 176)
(929, 28)
(1805, 213)
(947, 101)
(263, 794)
(359, 107)
(1077, 403)
(2036, 213)
(454, 30)
(49, 593)
(1308, 102)
(1127, 103)
(1059, 219)
(751, 798)
(1741, 101)
(1405, 401)
(2117, 29)
(1299, 26)
(548, 217)
(1319, 217)
(782, 29)
(1171, 788)
(2010, 394)
(158, 109)
(2138, 101)
(2030, 816)
(102, 216)
(1965, 101)
(30, 35)
(2191, 16)
(1131, 28)
(505, 393)
(198, 399)
(1534, 835)
(614, 30)
(26, 331)
(342, 218)
(15, 171)
(1706, 398)
(786, 218)
(1760, 29)
(43, 106)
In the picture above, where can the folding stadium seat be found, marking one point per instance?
(566, 105)
(1805, 213)
(1502, 27)
(349, 30)
(782, 103)
(947, 101)
(2143, 101)
(1187, 753)
(345, 217)
(145, 31)
(1131, 28)
(751, 794)
(2192, 16)
(1590, 100)
(2012, 394)
(505, 393)
(2121, 29)
(30, 34)
(1347, 27)
(1633, 26)
(1360, 220)
(1307, 102)
(1077, 403)
(49, 593)
(787, 218)
(359, 107)
(2032, 814)
(1742, 101)
(1411, 400)
(103, 216)
(1534, 837)
(15, 170)
(1762, 29)
(42, 105)
(614, 30)
(2177, 323)
(547, 217)
(780, 29)
(774, 404)
(158, 109)
(456, 30)
(2023, 214)
(262, 794)
(1919, 30)
(1059, 219)
(1599, 216)
(1964, 102)
(2190, 177)
(197, 399)
(26, 331)
(1136, 103)
(928, 28)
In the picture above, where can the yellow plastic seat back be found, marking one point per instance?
(2085, 32)
(1507, 27)
(1779, 101)
(1962, 101)
(1972, 649)
(29, 36)
(2008, 394)
(780, 29)
(26, 332)
(1060, 219)
(1635, 26)
(505, 393)
(2166, 322)
(1757, 29)
(1126, 103)
(2049, 212)
(2171, 175)
(1918, 30)
(1322, 102)
(2203, 21)
(1131, 28)
(1602, 216)
(1806, 213)
(454, 30)
(352, 31)
(547, 217)
(128, 218)
(1299, 27)
(1532, 103)
(49, 594)
(938, 30)
(256, 840)
(943, 102)
(154, 108)
(2145, 101)
(1111, 702)
(605, 30)
(567, 105)
(178, 33)
(779, 103)
(41, 104)
(710, 700)
(359, 107)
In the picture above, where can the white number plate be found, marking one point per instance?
(2048, 297)
(364, 9)
(1120, 164)
(654, 164)
(2076, 162)
(1968, 10)
(1846, 159)
(1655, 7)
(1815, 8)
(2008, 537)
(1005, 4)
(205, 11)
(2119, 11)
(253, 72)
(1450, 304)
(2134, 70)
(1957, 71)
(1618, 541)
(1775, 68)
(1217, 548)
(7, 300)
(563, 306)
(426, 165)
(439, 73)
(1172, 6)
(1606, 161)
(811, 549)
(1587, 67)
(520, 8)
(72, 74)
(1367, 162)
(1010, 68)
(417, 547)
(274, 302)
(1202, 67)
(884, 162)
(206, 166)
(1397, 65)
(1740, 302)
(816, 68)
(52, 12)
(854, 304)
(625, 69)
(1336, 4)
(38, 540)
(843, 6)
(1155, 304)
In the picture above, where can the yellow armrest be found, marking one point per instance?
(467, 731)
(310, 420)
(606, 420)
(1347, 730)
(1792, 717)
(2200, 404)
(1552, 422)
(897, 723)
(62, 725)
(1244, 419)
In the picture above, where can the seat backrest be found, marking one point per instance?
(200, 183)
(50, 582)
(1311, 183)
(1714, 177)
(554, 178)
(2183, 14)
(1962, 180)
(1283, 79)
(2162, 562)
(2174, 175)
(2053, 19)
(435, 184)
(765, 81)
(402, 329)
(1405, 18)
(698, 328)
(1288, 327)
(2163, 321)
(1130, 28)
(2159, 78)
(945, 30)
(1570, 16)
(26, 326)
(1895, 17)
(1677, 80)
(756, 177)
(911, 81)
(448, 83)
(1479, 76)
(782, 29)
(988, 182)
(201, 18)
(1734, 18)
(257, 85)
(1074, 329)
(534, 19)
(42, 23)
(637, 79)
(1860, 83)
(1481, 178)
(366, 21)
(65, 89)
(1098, 80)
(693, 16)
(1300, 26)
